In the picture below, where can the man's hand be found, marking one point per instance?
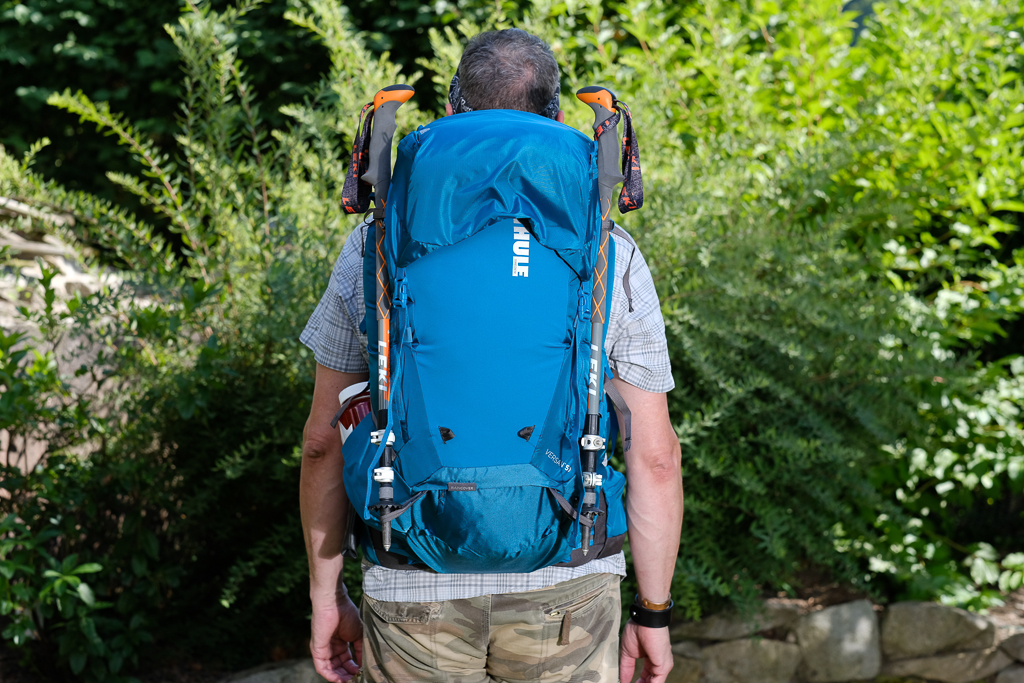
(651, 644)
(336, 642)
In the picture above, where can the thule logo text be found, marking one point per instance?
(520, 250)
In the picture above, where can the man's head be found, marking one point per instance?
(508, 69)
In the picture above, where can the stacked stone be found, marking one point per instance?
(847, 642)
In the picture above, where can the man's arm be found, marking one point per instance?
(324, 507)
(654, 505)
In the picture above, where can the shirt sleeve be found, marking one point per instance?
(332, 333)
(636, 345)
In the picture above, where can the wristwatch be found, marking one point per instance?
(651, 614)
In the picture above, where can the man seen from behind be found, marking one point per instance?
(558, 623)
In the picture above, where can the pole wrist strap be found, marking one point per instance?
(650, 618)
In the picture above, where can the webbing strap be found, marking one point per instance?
(632, 195)
(616, 230)
(395, 514)
(620, 405)
(355, 194)
(569, 509)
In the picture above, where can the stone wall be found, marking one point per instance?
(853, 641)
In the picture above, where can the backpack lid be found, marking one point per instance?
(468, 171)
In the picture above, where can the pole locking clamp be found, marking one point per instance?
(383, 475)
(592, 480)
(375, 437)
(592, 442)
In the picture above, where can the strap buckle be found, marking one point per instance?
(401, 293)
(378, 436)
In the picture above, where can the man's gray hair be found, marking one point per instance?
(508, 69)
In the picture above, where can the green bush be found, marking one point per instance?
(833, 230)
(184, 493)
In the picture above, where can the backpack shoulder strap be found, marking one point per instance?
(616, 230)
(620, 404)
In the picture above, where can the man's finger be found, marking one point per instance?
(626, 667)
(324, 668)
(357, 649)
(350, 665)
(658, 672)
(343, 663)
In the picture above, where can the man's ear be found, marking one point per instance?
(448, 109)
(560, 116)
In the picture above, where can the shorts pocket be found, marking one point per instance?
(582, 643)
(529, 628)
(576, 606)
(404, 612)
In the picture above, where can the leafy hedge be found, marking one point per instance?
(834, 229)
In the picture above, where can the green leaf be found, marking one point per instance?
(77, 661)
(85, 592)
(69, 563)
(88, 627)
(1008, 205)
(1014, 561)
(150, 544)
(984, 572)
(88, 568)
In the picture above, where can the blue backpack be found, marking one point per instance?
(493, 226)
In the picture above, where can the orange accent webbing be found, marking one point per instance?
(601, 282)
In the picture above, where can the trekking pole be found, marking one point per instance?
(385, 104)
(606, 120)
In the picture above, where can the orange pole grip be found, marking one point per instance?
(393, 93)
(595, 94)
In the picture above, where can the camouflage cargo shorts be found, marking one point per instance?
(567, 632)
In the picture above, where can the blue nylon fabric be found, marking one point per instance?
(471, 170)
(489, 348)
(478, 542)
(359, 455)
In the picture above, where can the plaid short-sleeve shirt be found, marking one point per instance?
(637, 352)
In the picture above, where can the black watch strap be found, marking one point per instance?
(650, 618)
